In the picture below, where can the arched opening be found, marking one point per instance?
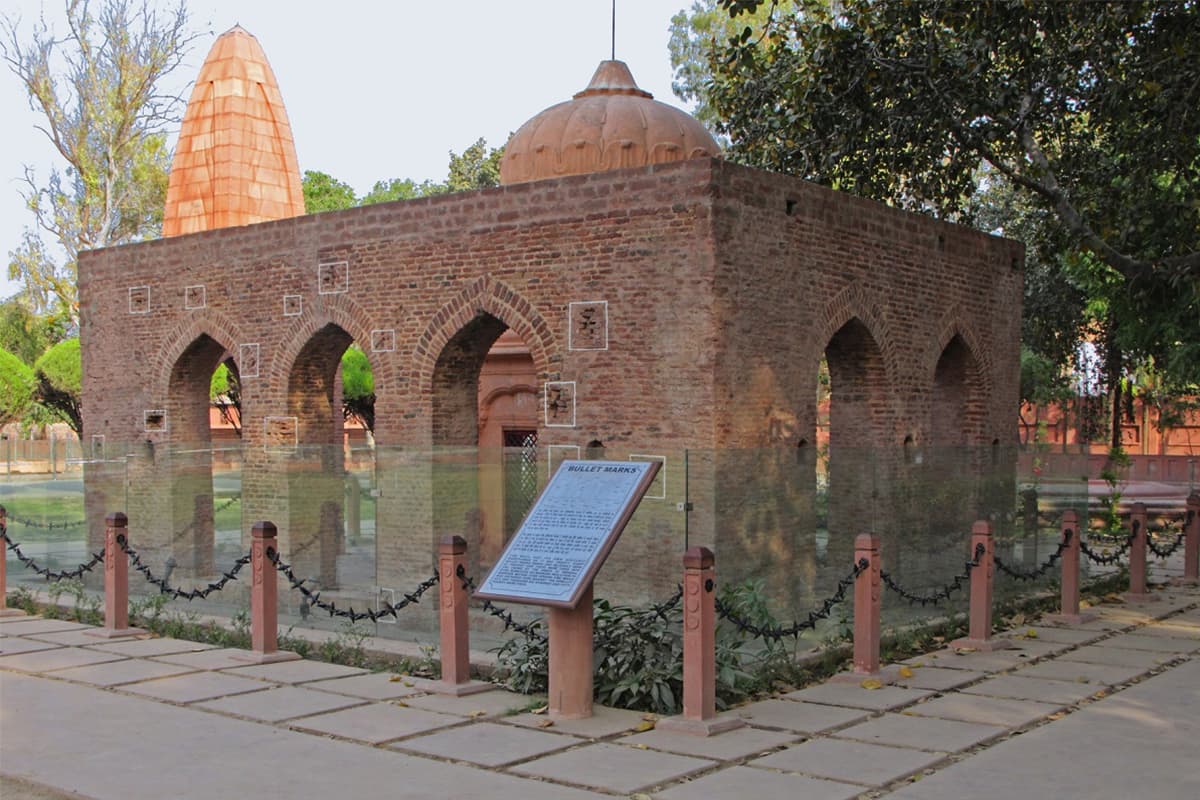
(484, 420)
(957, 410)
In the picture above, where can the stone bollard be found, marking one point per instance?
(1191, 542)
(699, 716)
(983, 579)
(5, 611)
(1138, 591)
(264, 601)
(1070, 612)
(452, 618)
(868, 607)
(116, 580)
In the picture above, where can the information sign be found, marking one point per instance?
(569, 532)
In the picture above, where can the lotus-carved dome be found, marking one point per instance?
(612, 124)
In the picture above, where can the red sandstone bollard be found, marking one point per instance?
(699, 651)
(1191, 542)
(983, 579)
(116, 580)
(1070, 612)
(5, 611)
(452, 617)
(264, 601)
(571, 659)
(1138, 592)
(868, 606)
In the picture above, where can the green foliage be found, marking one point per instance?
(107, 118)
(323, 192)
(59, 382)
(25, 334)
(17, 383)
(400, 189)
(225, 391)
(358, 387)
(477, 167)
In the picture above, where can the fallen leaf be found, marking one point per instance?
(1031, 634)
(962, 651)
(905, 672)
(539, 710)
(400, 703)
(395, 679)
(409, 683)
(1082, 679)
(643, 726)
(939, 639)
(872, 683)
(1100, 694)
(477, 713)
(545, 723)
(1019, 619)
(650, 717)
(1057, 715)
(639, 796)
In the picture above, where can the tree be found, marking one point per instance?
(16, 387)
(1086, 110)
(225, 392)
(477, 167)
(358, 388)
(107, 118)
(25, 334)
(400, 189)
(59, 374)
(323, 192)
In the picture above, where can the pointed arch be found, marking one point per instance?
(207, 322)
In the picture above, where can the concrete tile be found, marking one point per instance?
(279, 703)
(1172, 628)
(372, 686)
(1158, 644)
(1078, 672)
(206, 659)
(11, 645)
(997, 661)
(115, 673)
(796, 716)
(1018, 688)
(295, 671)
(1054, 633)
(195, 686)
(939, 679)
(488, 744)
(58, 658)
(604, 722)
(1115, 656)
(854, 695)
(986, 710)
(6, 621)
(24, 626)
(750, 782)
(858, 762)
(485, 704)
(376, 723)
(612, 767)
(923, 733)
(143, 648)
(737, 743)
(77, 638)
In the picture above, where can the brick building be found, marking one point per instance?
(671, 305)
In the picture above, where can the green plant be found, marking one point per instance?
(21, 597)
(346, 646)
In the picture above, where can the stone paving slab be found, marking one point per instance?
(604, 722)
(372, 686)
(1116, 656)
(206, 659)
(922, 733)
(1173, 628)
(488, 744)
(749, 782)
(1018, 688)
(1079, 672)
(1158, 644)
(997, 661)
(295, 671)
(496, 703)
(1073, 635)
(855, 762)
(376, 722)
(57, 658)
(279, 703)
(115, 673)
(986, 710)
(614, 768)
(727, 746)
(141, 648)
(1037, 648)
(25, 626)
(853, 695)
(938, 678)
(195, 686)
(76, 638)
(11, 645)
(796, 716)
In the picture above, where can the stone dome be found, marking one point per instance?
(235, 163)
(612, 124)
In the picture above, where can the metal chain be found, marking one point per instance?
(1166, 552)
(776, 633)
(1034, 574)
(217, 510)
(135, 561)
(48, 574)
(314, 598)
(48, 526)
(529, 630)
(1107, 559)
(942, 594)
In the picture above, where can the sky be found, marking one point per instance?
(377, 90)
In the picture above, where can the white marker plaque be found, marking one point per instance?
(569, 532)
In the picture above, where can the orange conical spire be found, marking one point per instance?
(235, 163)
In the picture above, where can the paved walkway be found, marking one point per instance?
(1109, 709)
